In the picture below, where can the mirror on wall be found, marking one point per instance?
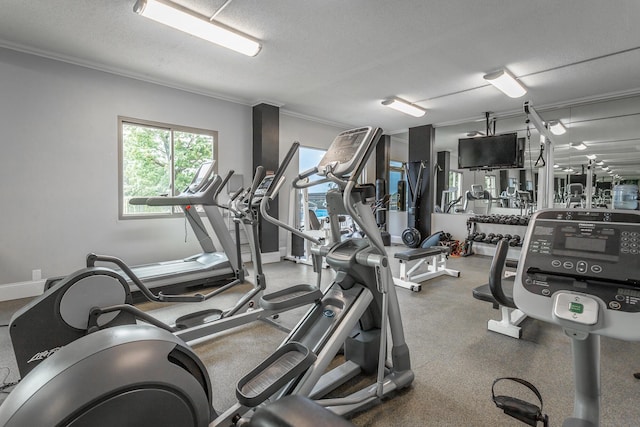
(601, 134)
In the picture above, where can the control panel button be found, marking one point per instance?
(620, 297)
(581, 267)
(596, 268)
(576, 308)
(568, 265)
(556, 263)
(615, 305)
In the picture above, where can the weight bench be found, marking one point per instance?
(429, 263)
(499, 292)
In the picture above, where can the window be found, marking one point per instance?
(490, 185)
(317, 195)
(158, 159)
(455, 184)
(396, 174)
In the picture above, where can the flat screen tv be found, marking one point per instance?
(491, 152)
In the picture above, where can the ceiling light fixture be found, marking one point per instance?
(507, 83)
(568, 170)
(475, 133)
(578, 146)
(605, 168)
(600, 163)
(556, 166)
(557, 128)
(591, 156)
(183, 19)
(405, 107)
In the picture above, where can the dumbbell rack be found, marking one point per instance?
(487, 230)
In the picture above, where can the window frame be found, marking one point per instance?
(122, 120)
(491, 184)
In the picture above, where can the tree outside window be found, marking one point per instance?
(158, 159)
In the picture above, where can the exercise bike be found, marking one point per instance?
(578, 270)
(146, 376)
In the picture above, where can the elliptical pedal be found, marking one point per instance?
(291, 297)
(192, 320)
(273, 373)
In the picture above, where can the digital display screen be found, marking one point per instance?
(629, 292)
(266, 182)
(343, 148)
(585, 244)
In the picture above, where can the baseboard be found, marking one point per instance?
(396, 239)
(270, 257)
(11, 291)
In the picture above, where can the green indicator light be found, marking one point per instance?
(575, 307)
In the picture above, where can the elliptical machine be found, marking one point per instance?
(145, 376)
(98, 297)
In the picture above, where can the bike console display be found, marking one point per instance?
(581, 269)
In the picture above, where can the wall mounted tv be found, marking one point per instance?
(491, 152)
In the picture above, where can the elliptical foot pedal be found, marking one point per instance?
(526, 412)
(293, 296)
(199, 318)
(273, 373)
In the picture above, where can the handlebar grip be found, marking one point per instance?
(307, 173)
(236, 194)
(224, 182)
(282, 168)
(257, 178)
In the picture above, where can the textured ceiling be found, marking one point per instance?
(334, 61)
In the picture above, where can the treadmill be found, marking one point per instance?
(211, 266)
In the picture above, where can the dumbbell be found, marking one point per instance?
(515, 240)
(479, 237)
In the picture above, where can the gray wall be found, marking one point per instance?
(59, 164)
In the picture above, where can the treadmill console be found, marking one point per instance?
(581, 269)
(345, 151)
(264, 186)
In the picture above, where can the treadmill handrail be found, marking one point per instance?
(204, 197)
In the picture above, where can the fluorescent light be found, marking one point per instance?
(180, 18)
(508, 84)
(591, 156)
(557, 128)
(405, 107)
(578, 146)
(568, 170)
(556, 166)
(605, 168)
(600, 163)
